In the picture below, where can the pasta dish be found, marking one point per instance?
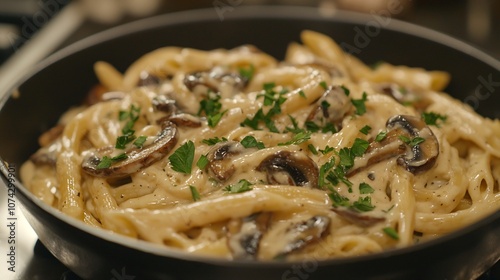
(231, 153)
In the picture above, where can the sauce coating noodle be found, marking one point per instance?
(231, 153)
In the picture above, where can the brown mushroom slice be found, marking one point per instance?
(47, 155)
(185, 120)
(301, 234)
(137, 159)
(220, 159)
(414, 158)
(332, 107)
(164, 104)
(244, 235)
(357, 218)
(51, 135)
(290, 168)
(406, 96)
(213, 79)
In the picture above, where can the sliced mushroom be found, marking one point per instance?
(302, 234)
(51, 135)
(220, 159)
(414, 158)
(332, 107)
(357, 218)
(137, 159)
(244, 235)
(148, 79)
(185, 120)
(164, 104)
(290, 168)
(99, 93)
(47, 154)
(213, 80)
(405, 96)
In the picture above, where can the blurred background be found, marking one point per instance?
(30, 30)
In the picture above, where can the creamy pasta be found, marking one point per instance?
(234, 154)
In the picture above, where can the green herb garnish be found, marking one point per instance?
(411, 142)
(298, 138)
(432, 118)
(139, 142)
(213, 141)
(106, 161)
(363, 204)
(365, 188)
(365, 129)
(359, 104)
(182, 159)
(323, 85)
(250, 142)
(247, 73)
(202, 162)
(391, 232)
(242, 186)
(194, 193)
(381, 136)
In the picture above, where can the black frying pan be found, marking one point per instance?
(65, 78)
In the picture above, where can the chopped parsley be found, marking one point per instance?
(202, 162)
(106, 161)
(363, 204)
(346, 90)
(327, 150)
(248, 72)
(312, 149)
(338, 199)
(391, 232)
(271, 98)
(302, 94)
(323, 85)
(212, 108)
(194, 193)
(432, 118)
(213, 141)
(240, 187)
(411, 142)
(298, 138)
(131, 116)
(359, 147)
(365, 129)
(365, 188)
(182, 159)
(250, 142)
(323, 171)
(359, 104)
(381, 136)
(139, 142)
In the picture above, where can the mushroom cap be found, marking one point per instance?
(290, 168)
(137, 159)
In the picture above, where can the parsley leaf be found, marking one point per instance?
(312, 149)
(323, 171)
(194, 193)
(202, 162)
(359, 104)
(359, 147)
(247, 73)
(240, 187)
(363, 204)
(346, 90)
(365, 188)
(338, 199)
(250, 142)
(107, 161)
(411, 142)
(391, 232)
(139, 142)
(346, 158)
(432, 118)
(381, 136)
(323, 85)
(298, 138)
(182, 158)
(302, 94)
(365, 129)
(213, 141)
